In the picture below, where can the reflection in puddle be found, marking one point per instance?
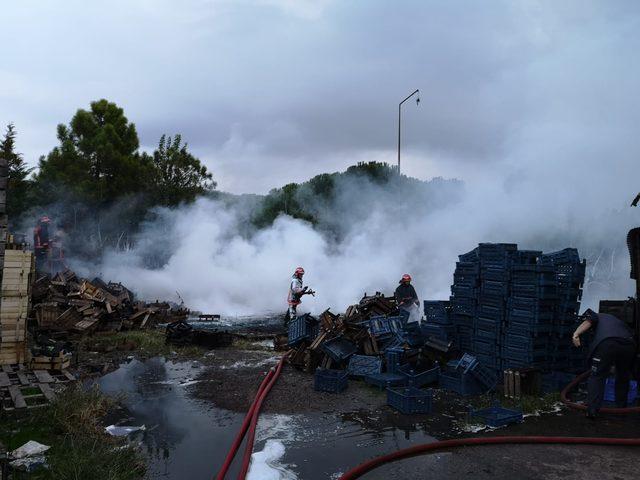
(185, 436)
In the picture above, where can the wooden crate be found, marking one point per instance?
(59, 362)
(12, 353)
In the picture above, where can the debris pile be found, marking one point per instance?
(68, 303)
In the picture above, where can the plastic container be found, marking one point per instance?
(385, 380)
(329, 380)
(379, 326)
(393, 357)
(304, 327)
(437, 311)
(410, 400)
(339, 349)
(417, 378)
(464, 384)
(363, 365)
(497, 416)
(610, 391)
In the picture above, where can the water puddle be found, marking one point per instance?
(186, 437)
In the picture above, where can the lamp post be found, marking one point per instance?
(400, 120)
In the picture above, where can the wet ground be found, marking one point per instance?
(192, 411)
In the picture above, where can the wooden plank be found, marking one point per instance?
(23, 378)
(47, 392)
(43, 376)
(4, 380)
(16, 397)
(68, 375)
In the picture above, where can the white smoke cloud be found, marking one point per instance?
(386, 232)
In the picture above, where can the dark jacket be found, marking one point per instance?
(607, 326)
(405, 294)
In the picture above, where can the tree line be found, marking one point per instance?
(98, 166)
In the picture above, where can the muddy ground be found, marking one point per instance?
(231, 377)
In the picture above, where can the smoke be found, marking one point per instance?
(219, 264)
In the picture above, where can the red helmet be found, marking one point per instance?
(406, 277)
(45, 219)
(299, 271)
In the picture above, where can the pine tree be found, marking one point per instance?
(19, 186)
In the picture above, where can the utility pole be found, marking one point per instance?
(400, 120)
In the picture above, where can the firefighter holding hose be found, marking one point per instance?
(296, 292)
(612, 345)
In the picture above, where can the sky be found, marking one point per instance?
(272, 91)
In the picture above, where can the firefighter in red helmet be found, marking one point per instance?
(296, 292)
(406, 297)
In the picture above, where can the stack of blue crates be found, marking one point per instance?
(517, 308)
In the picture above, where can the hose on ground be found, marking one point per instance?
(243, 429)
(369, 465)
(248, 428)
(579, 406)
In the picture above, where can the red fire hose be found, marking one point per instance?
(249, 424)
(580, 406)
(365, 467)
(243, 429)
(251, 420)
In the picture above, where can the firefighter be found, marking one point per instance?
(612, 344)
(41, 240)
(406, 297)
(296, 292)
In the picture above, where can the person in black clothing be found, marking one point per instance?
(612, 345)
(406, 296)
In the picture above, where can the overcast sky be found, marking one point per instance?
(272, 91)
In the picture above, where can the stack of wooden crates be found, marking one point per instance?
(17, 275)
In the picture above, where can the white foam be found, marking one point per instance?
(266, 464)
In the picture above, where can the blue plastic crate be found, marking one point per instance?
(363, 365)
(441, 332)
(526, 257)
(302, 328)
(565, 256)
(469, 257)
(328, 380)
(385, 380)
(339, 349)
(489, 361)
(494, 274)
(534, 291)
(379, 326)
(462, 383)
(467, 268)
(610, 391)
(417, 378)
(410, 400)
(461, 280)
(462, 291)
(437, 311)
(484, 347)
(393, 358)
(498, 289)
(497, 416)
(486, 375)
(494, 300)
(463, 306)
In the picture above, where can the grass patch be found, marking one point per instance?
(149, 343)
(80, 449)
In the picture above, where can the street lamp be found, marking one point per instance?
(400, 120)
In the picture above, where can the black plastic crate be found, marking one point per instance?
(470, 281)
(380, 325)
(394, 357)
(363, 365)
(463, 306)
(410, 400)
(534, 291)
(467, 268)
(526, 257)
(495, 274)
(328, 380)
(494, 300)
(492, 312)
